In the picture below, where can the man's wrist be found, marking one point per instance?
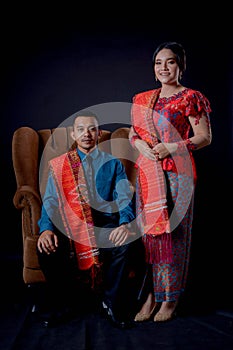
(127, 224)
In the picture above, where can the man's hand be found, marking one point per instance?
(120, 235)
(47, 242)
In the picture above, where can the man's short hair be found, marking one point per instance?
(85, 113)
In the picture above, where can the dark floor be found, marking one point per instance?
(201, 323)
(194, 328)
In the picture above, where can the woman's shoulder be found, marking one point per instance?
(143, 96)
(194, 93)
(198, 98)
(145, 92)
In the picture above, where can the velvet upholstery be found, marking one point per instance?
(31, 150)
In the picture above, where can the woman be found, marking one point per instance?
(168, 124)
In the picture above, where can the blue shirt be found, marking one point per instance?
(112, 191)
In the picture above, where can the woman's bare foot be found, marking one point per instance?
(147, 310)
(166, 312)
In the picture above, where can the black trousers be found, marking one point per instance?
(60, 270)
(117, 291)
(115, 272)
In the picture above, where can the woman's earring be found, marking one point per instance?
(156, 79)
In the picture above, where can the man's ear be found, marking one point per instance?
(74, 145)
(99, 133)
(72, 135)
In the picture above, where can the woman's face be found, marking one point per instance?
(166, 68)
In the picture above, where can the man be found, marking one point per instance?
(87, 210)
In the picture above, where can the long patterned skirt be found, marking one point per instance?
(169, 279)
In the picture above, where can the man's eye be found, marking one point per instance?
(79, 130)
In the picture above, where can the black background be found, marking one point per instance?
(57, 61)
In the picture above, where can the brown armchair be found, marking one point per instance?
(31, 151)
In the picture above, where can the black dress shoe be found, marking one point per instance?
(116, 321)
(58, 317)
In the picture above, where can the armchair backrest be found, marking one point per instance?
(31, 151)
(54, 142)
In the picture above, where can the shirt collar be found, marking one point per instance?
(94, 154)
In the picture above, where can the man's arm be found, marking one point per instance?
(124, 198)
(49, 207)
(123, 195)
(48, 241)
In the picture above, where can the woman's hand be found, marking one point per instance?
(145, 149)
(162, 150)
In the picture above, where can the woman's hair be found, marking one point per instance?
(177, 49)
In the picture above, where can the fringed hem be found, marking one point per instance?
(158, 248)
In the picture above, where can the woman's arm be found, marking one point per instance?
(202, 134)
(141, 145)
(202, 137)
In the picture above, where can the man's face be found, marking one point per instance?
(85, 133)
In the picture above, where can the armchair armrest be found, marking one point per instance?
(29, 201)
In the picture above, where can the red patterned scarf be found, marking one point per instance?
(152, 211)
(74, 207)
